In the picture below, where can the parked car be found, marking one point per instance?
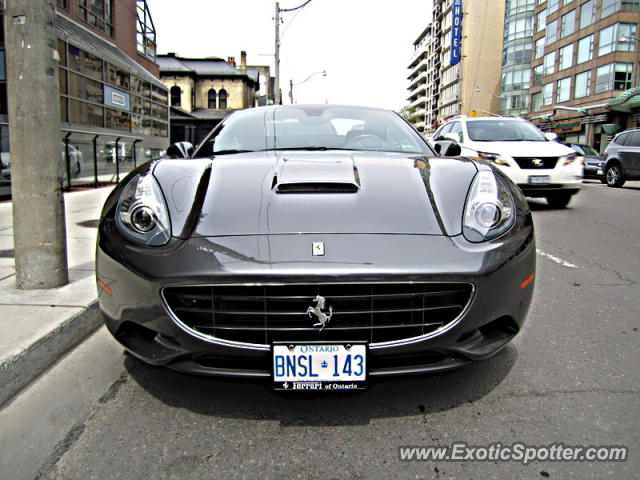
(540, 166)
(593, 161)
(315, 246)
(622, 158)
(75, 157)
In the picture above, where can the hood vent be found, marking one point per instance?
(317, 187)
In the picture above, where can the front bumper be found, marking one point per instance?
(137, 316)
(562, 178)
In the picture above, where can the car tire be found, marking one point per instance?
(559, 200)
(603, 180)
(614, 176)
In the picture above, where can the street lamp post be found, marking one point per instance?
(276, 79)
(291, 84)
(486, 89)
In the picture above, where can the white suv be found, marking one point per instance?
(539, 165)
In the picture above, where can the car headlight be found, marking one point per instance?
(494, 158)
(572, 157)
(489, 210)
(142, 213)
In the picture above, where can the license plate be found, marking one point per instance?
(539, 179)
(319, 366)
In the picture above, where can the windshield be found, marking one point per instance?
(313, 128)
(503, 131)
(585, 150)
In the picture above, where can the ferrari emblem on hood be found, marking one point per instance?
(323, 318)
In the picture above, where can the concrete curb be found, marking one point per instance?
(20, 370)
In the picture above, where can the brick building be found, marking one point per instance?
(114, 109)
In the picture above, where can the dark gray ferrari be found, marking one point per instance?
(316, 246)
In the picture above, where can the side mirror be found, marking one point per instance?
(180, 150)
(447, 148)
(550, 136)
(454, 137)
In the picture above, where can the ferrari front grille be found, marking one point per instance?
(375, 313)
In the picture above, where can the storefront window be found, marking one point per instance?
(84, 62)
(117, 120)
(85, 113)
(117, 77)
(82, 87)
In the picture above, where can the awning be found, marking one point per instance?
(76, 35)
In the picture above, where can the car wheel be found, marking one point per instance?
(559, 200)
(614, 176)
(603, 180)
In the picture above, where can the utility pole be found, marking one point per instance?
(36, 163)
(276, 80)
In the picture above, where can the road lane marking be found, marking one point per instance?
(559, 261)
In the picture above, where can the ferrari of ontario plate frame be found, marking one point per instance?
(319, 366)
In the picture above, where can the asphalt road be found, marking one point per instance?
(570, 377)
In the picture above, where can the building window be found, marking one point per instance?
(537, 75)
(98, 13)
(614, 76)
(563, 90)
(610, 38)
(539, 47)
(585, 49)
(519, 28)
(176, 96)
(62, 3)
(552, 6)
(568, 24)
(547, 94)
(583, 84)
(550, 63)
(536, 100)
(587, 14)
(552, 32)
(211, 99)
(566, 57)
(542, 20)
(609, 7)
(145, 31)
(222, 99)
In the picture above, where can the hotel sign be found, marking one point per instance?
(456, 31)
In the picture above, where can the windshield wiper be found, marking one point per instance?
(230, 151)
(310, 148)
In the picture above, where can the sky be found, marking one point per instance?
(365, 46)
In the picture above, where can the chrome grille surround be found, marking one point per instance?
(460, 288)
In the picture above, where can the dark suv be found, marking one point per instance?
(622, 158)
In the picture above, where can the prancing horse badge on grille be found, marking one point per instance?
(318, 312)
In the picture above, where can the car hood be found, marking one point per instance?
(525, 148)
(292, 192)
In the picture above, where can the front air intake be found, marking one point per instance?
(325, 187)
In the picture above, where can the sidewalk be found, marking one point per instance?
(39, 326)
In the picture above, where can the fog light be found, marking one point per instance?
(488, 215)
(143, 219)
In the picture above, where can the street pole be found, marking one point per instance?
(36, 162)
(276, 79)
(291, 91)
